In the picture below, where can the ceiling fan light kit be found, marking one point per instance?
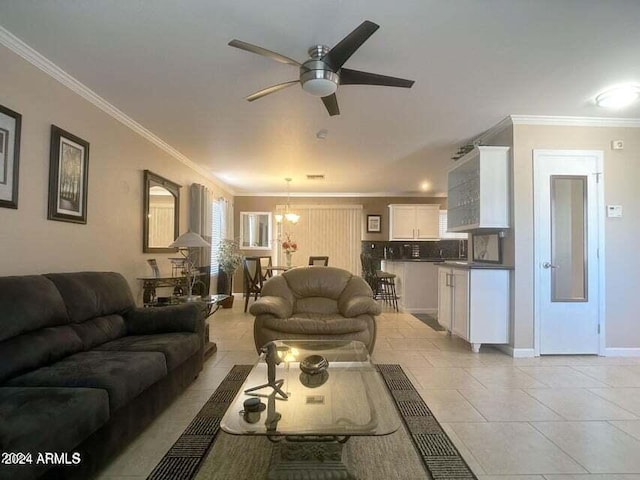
(321, 75)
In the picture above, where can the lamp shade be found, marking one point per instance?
(188, 240)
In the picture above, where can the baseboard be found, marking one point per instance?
(516, 352)
(622, 352)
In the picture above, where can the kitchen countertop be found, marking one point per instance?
(474, 265)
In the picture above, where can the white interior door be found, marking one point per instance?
(567, 202)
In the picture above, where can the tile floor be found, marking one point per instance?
(553, 418)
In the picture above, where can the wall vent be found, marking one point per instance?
(315, 177)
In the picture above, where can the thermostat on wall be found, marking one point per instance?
(614, 211)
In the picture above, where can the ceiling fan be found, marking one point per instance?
(323, 72)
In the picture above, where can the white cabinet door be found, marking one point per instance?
(402, 226)
(460, 303)
(444, 298)
(427, 222)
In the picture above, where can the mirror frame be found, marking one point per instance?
(149, 179)
(269, 227)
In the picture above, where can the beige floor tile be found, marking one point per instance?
(614, 376)
(450, 406)
(447, 378)
(595, 476)
(513, 448)
(452, 344)
(412, 344)
(561, 377)
(473, 462)
(627, 398)
(421, 331)
(598, 446)
(406, 359)
(508, 405)
(453, 359)
(511, 477)
(503, 377)
(632, 427)
(579, 404)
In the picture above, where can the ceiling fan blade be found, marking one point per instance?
(331, 103)
(263, 51)
(339, 54)
(356, 77)
(271, 89)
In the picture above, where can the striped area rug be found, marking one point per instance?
(434, 448)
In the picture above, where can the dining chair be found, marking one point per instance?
(265, 267)
(252, 269)
(321, 261)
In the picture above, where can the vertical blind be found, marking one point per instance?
(331, 230)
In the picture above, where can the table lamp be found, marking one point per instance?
(185, 243)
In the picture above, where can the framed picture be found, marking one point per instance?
(68, 177)
(487, 248)
(10, 125)
(374, 223)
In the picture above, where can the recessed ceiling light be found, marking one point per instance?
(618, 97)
(322, 134)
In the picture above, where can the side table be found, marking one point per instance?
(209, 304)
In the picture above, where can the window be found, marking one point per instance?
(443, 229)
(216, 235)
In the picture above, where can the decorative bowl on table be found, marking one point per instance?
(314, 364)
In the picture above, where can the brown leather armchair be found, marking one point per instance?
(315, 303)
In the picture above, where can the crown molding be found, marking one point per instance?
(338, 194)
(38, 60)
(574, 121)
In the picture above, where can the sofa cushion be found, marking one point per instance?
(321, 305)
(176, 347)
(93, 294)
(36, 419)
(29, 303)
(99, 330)
(317, 282)
(124, 375)
(33, 350)
(310, 323)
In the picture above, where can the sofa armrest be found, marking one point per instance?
(277, 306)
(187, 317)
(360, 305)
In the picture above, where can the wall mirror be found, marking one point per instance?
(161, 222)
(255, 230)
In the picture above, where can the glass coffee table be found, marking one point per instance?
(321, 410)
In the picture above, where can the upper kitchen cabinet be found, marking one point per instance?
(478, 189)
(414, 222)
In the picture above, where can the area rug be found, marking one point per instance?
(429, 320)
(203, 451)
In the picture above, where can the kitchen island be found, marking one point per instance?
(416, 283)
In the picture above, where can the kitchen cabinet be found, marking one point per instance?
(478, 190)
(416, 284)
(414, 222)
(473, 304)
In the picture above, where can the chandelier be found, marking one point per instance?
(289, 216)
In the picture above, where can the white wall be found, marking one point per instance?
(621, 175)
(112, 237)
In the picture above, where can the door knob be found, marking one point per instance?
(549, 265)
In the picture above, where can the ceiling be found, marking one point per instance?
(166, 64)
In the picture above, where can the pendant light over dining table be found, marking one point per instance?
(289, 216)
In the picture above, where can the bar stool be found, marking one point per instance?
(387, 288)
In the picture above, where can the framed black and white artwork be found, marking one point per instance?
(68, 177)
(374, 223)
(487, 248)
(10, 125)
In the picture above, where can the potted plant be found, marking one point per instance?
(229, 259)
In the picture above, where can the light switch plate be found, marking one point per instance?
(614, 211)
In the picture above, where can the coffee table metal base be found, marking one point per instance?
(309, 459)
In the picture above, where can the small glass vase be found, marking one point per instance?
(287, 259)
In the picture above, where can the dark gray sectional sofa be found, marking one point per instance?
(82, 370)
